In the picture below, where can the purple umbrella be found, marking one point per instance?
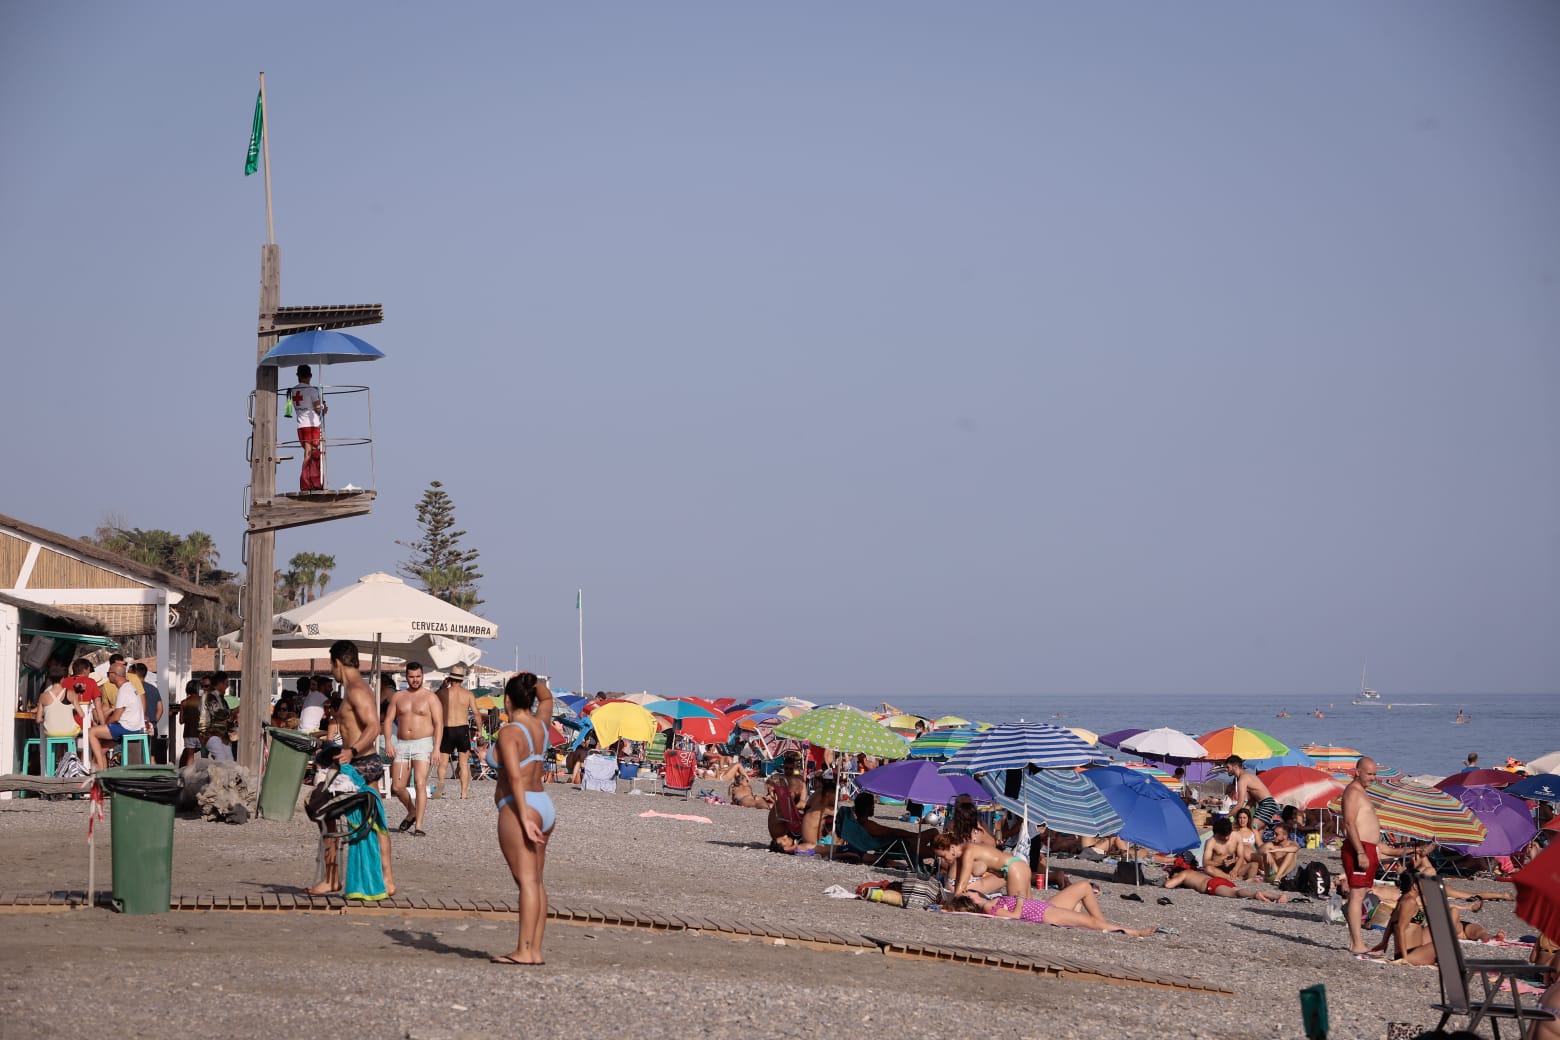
(917, 780)
(1507, 819)
(1114, 738)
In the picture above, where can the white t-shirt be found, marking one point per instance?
(134, 717)
(313, 712)
(305, 403)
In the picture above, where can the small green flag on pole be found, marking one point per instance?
(577, 601)
(252, 161)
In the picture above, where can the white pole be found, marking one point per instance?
(265, 151)
(579, 608)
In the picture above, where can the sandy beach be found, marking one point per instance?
(402, 975)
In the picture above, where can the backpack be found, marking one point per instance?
(1313, 879)
(69, 767)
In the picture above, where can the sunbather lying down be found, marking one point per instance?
(1073, 907)
(1183, 876)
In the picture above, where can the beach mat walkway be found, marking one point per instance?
(412, 906)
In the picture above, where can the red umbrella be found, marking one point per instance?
(1301, 786)
(1480, 778)
(555, 736)
(1538, 892)
(708, 731)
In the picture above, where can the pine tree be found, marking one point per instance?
(438, 562)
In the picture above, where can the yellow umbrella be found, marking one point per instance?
(901, 721)
(622, 721)
(949, 721)
(486, 703)
(1088, 736)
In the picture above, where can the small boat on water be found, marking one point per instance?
(1367, 695)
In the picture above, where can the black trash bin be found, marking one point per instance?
(142, 815)
(284, 769)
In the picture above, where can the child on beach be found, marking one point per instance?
(1073, 907)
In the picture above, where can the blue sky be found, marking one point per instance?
(839, 351)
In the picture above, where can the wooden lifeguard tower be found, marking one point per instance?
(267, 511)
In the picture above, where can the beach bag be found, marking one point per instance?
(1128, 872)
(69, 767)
(1313, 879)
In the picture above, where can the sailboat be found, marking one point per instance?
(1367, 695)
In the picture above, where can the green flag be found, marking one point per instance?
(577, 600)
(252, 161)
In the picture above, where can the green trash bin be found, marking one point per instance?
(142, 824)
(284, 769)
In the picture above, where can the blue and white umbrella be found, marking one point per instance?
(321, 347)
(1019, 744)
(1059, 798)
(1545, 787)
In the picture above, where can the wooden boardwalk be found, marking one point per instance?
(749, 931)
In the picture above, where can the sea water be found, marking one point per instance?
(1416, 740)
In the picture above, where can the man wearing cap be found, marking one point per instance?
(459, 713)
(309, 409)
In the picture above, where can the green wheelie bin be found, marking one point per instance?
(284, 768)
(142, 826)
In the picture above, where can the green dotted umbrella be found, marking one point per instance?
(842, 729)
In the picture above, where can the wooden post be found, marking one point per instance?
(260, 587)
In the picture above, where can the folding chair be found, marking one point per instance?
(874, 850)
(677, 772)
(1458, 994)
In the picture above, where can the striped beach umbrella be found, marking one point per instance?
(1420, 812)
(1292, 757)
(680, 709)
(1148, 769)
(1304, 787)
(840, 729)
(1059, 798)
(941, 743)
(1327, 757)
(1238, 740)
(1019, 744)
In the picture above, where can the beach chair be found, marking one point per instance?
(872, 849)
(601, 773)
(785, 806)
(1472, 988)
(655, 751)
(677, 772)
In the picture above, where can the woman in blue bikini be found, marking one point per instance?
(525, 814)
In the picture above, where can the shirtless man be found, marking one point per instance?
(1279, 855)
(413, 727)
(1361, 857)
(359, 724)
(1183, 876)
(1250, 790)
(459, 708)
(1221, 852)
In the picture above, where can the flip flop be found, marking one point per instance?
(506, 959)
(419, 833)
(406, 825)
(1132, 897)
(1166, 930)
(1164, 901)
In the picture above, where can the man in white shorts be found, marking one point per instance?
(413, 727)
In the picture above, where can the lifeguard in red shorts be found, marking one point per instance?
(309, 408)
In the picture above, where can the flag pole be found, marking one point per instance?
(265, 151)
(579, 608)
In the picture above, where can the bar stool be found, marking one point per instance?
(51, 745)
(135, 738)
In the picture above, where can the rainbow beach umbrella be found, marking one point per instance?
(1238, 740)
(1420, 812)
(1329, 758)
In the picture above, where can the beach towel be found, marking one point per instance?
(676, 816)
(365, 877)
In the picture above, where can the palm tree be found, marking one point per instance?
(324, 563)
(302, 570)
(197, 553)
